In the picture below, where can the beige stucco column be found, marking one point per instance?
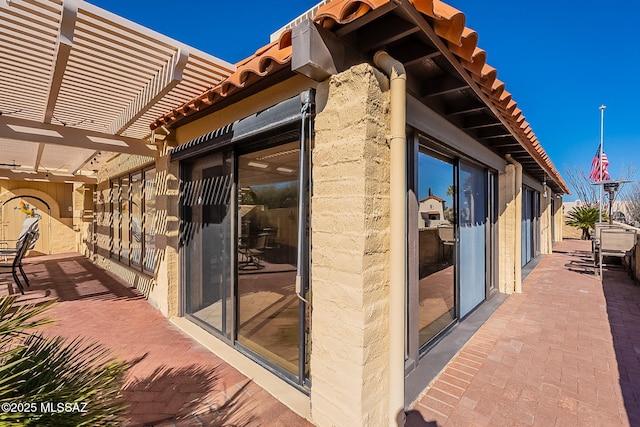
(350, 250)
(507, 230)
(167, 221)
(546, 243)
(558, 217)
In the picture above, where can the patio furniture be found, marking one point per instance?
(616, 243)
(595, 240)
(253, 254)
(15, 265)
(29, 224)
(447, 240)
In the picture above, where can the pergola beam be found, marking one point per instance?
(61, 55)
(16, 175)
(12, 128)
(165, 79)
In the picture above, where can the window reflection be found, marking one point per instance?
(436, 294)
(205, 197)
(125, 216)
(128, 208)
(136, 218)
(267, 253)
(115, 224)
(150, 225)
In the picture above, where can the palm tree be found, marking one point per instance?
(585, 218)
(64, 382)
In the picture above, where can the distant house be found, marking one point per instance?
(432, 212)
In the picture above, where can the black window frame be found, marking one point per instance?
(116, 205)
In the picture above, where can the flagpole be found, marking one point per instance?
(602, 107)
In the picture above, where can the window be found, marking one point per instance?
(133, 210)
(149, 215)
(452, 214)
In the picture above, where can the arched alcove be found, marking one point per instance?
(56, 233)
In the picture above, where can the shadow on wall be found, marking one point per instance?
(144, 237)
(192, 395)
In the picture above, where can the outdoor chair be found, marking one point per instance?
(616, 243)
(595, 240)
(15, 265)
(447, 240)
(29, 224)
(253, 254)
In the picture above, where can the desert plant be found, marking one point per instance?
(51, 381)
(585, 218)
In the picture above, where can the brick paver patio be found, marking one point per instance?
(174, 381)
(565, 352)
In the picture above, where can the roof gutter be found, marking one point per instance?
(398, 232)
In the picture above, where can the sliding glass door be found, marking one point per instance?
(240, 239)
(473, 236)
(449, 243)
(207, 240)
(268, 307)
(436, 246)
(530, 215)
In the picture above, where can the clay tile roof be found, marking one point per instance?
(345, 11)
(434, 198)
(266, 60)
(447, 22)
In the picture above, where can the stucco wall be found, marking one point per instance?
(57, 231)
(507, 238)
(350, 277)
(559, 220)
(546, 245)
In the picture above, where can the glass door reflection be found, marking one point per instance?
(206, 230)
(268, 308)
(437, 246)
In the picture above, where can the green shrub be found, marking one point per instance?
(585, 218)
(47, 373)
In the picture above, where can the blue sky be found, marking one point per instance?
(561, 60)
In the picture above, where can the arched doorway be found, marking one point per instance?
(16, 209)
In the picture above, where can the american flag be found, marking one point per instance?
(595, 167)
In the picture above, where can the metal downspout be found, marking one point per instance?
(518, 224)
(398, 231)
(302, 269)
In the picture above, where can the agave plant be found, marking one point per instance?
(585, 218)
(51, 381)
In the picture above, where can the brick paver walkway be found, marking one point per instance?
(174, 381)
(565, 352)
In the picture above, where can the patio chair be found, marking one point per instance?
(15, 265)
(29, 224)
(616, 243)
(253, 254)
(595, 240)
(447, 240)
